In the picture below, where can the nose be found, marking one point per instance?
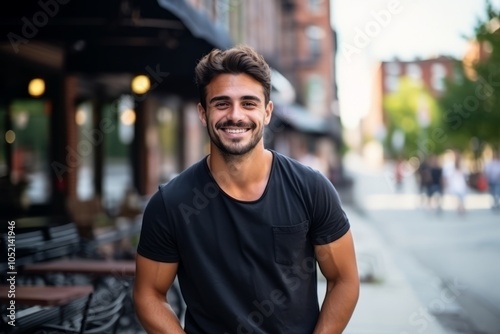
(235, 113)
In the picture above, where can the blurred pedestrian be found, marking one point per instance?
(245, 227)
(424, 180)
(456, 183)
(399, 173)
(492, 173)
(435, 184)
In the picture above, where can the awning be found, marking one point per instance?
(198, 24)
(299, 118)
(98, 38)
(282, 90)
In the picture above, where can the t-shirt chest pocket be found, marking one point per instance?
(290, 242)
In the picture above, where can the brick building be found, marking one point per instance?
(431, 73)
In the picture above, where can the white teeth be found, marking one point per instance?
(235, 130)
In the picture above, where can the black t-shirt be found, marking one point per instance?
(245, 266)
(436, 176)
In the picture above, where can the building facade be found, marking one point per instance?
(429, 73)
(78, 127)
(99, 138)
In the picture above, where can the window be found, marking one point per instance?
(169, 122)
(316, 95)
(117, 169)
(315, 6)
(85, 149)
(28, 138)
(391, 83)
(223, 10)
(414, 72)
(314, 34)
(393, 68)
(438, 74)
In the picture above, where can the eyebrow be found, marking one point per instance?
(225, 98)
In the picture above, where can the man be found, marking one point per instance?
(492, 174)
(424, 177)
(244, 227)
(436, 182)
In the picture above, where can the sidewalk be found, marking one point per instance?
(388, 302)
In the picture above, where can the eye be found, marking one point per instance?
(221, 105)
(248, 104)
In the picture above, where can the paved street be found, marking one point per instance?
(450, 260)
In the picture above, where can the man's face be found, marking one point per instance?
(236, 113)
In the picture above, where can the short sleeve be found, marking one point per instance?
(157, 240)
(329, 221)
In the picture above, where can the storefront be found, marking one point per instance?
(89, 134)
(311, 139)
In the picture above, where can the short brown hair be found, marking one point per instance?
(240, 59)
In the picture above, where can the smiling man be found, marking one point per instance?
(233, 133)
(245, 227)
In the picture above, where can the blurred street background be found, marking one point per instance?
(396, 102)
(422, 271)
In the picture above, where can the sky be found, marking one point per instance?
(370, 31)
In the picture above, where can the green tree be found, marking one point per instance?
(413, 114)
(456, 105)
(471, 104)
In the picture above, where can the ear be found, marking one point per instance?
(269, 112)
(202, 114)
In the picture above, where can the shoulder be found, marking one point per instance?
(182, 185)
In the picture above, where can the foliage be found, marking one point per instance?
(472, 105)
(414, 113)
(456, 105)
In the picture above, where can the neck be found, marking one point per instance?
(242, 177)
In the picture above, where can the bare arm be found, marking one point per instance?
(337, 262)
(152, 281)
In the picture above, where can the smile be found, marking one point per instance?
(235, 130)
